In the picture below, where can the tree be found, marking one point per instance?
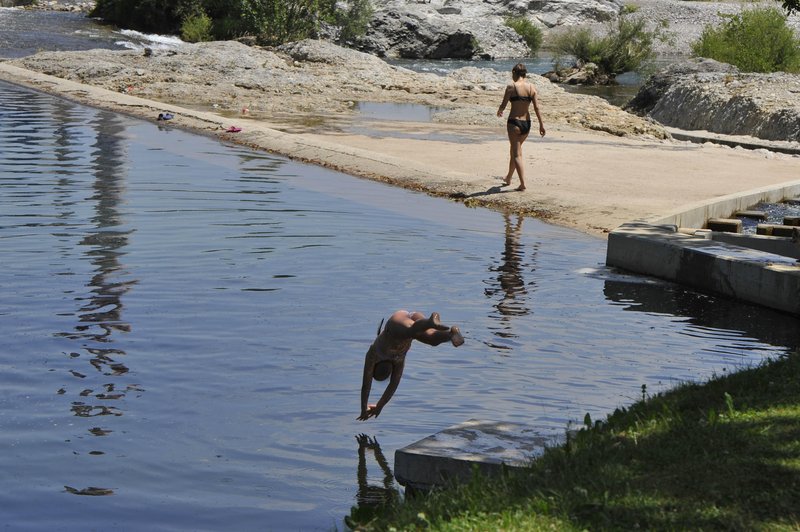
(270, 21)
(791, 6)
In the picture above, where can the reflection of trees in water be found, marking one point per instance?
(100, 314)
(509, 288)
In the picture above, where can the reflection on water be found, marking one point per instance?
(373, 494)
(183, 325)
(100, 311)
(509, 288)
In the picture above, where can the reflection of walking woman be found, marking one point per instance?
(521, 94)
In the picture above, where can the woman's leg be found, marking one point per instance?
(403, 324)
(516, 162)
(435, 337)
(519, 161)
(512, 131)
(511, 167)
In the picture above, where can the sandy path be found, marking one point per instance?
(586, 180)
(589, 181)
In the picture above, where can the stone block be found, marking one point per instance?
(755, 215)
(743, 273)
(775, 230)
(794, 221)
(725, 225)
(454, 452)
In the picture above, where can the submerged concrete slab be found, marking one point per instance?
(453, 453)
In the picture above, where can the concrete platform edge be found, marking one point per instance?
(720, 267)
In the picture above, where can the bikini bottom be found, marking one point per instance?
(524, 126)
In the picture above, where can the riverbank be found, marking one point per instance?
(302, 101)
(718, 456)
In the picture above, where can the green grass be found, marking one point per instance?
(724, 455)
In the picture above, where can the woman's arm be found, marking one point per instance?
(506, 96)
(366, 383)
(538, 114)
(397, 374)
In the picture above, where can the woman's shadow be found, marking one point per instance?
(494, 189)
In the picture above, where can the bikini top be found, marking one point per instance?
(518, 98)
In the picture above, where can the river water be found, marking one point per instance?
(183, 325)
(25, 32)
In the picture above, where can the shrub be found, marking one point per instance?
(625, 48)
(196, 28)
(629, 9)
(526, 29)
(271, 21)
(755, 40)
(354, 20)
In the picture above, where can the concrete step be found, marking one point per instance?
(453, 453)
(776, 230)
(755, 215)
(726, 225)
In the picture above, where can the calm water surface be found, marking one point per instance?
(183, 326)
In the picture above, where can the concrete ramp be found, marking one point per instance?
(453, 452)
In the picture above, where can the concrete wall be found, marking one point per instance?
(741, 273)
(723, 207)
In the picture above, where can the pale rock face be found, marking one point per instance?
(470, 29)
(702, 94)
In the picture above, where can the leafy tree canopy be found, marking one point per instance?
(271, 21)
(791, 5)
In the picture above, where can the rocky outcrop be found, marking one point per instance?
(414, 34)
(552, 13)
(585, 74)
(315, 80)
(711, 96)
(470, 29)
(657, 85)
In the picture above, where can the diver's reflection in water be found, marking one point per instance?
(372, 496)
(510, 285)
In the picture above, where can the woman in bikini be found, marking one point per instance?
(386, 356)
(521, 94)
